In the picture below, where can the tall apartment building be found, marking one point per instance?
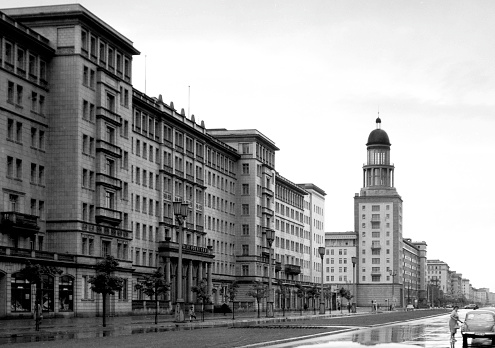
(93, 166)
(438, 274)
(340, 261)
(378, 222)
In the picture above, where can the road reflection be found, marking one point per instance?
(428, 333)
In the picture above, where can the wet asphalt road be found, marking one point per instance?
(361, 327)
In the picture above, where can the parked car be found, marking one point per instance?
(471, 306)
(409, 307)
(480, 323)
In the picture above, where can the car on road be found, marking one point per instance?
(479, 323)
(471, 306)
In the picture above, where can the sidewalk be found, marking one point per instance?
(23, 330)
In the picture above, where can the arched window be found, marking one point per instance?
(66, 294)
(20, 290)
(46, 293)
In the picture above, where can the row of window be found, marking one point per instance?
(14, 133)
(23, 62)
(105, 55)
(15, 95)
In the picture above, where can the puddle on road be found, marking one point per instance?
(55, 336)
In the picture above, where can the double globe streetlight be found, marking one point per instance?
(180, 212)
(321, 251)
(270, 237)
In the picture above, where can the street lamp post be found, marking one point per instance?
(270, 237)
(180, 212)
(354, 285)
(393, 274)
(321, 251)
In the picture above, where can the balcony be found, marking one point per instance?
(267, 191)
(376, 245)
(278, 266)
(292, 269)
(109, 116)
(107, 230)
(267, 211)
(109, 181)
(190, 252)
(106, 147)
(108, 215)
(167, 169)
(17, 223)
(376, 272)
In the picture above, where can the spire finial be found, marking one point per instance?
(378, 120)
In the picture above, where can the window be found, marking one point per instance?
(21, 61)
(245, 229)
(109, 200)
(34, 101)
(245, 270)
(84, 40)
(245, 209)
(105, 247)
(245, 249)
(66, 293)
(10, 129)
(32, 66)
(20, 293)
(111, 102)
(245, 168)
(20, 91)
(245, 189)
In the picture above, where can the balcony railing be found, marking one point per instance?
(292, 269)
(187, 249)
(267, 211)
(109, 215)
(14, 222)
(108, 115)
(107, 180)
(376, 246)
(102, 145)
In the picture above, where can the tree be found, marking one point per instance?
(36, 274)
(104, 282)
(232, 293)
(258, 291)
(313, 293)
(327, 293)
(283, 291)
(344, 293)
(301, 293)
(153, 285)
(202, 294)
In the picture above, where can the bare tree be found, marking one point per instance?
(259, 292)
(153, 285)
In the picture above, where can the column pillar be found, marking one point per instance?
(168, 270)
(200, 273)
(208, 278)
(190, 282)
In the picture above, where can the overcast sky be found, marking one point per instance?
(312, 76)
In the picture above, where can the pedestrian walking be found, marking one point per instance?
(38, 315)
(349, 307)
(191, 313)
(453, 323)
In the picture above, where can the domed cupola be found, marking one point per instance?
(378, 136)
(378, 172)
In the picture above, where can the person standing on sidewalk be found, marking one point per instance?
(38, 315)
(191, 313)
(453, 323)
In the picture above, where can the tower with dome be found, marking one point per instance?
(378, 223)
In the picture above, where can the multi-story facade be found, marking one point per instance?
(340, 261)
(378, 222)
(93, 166)
(438, 274)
